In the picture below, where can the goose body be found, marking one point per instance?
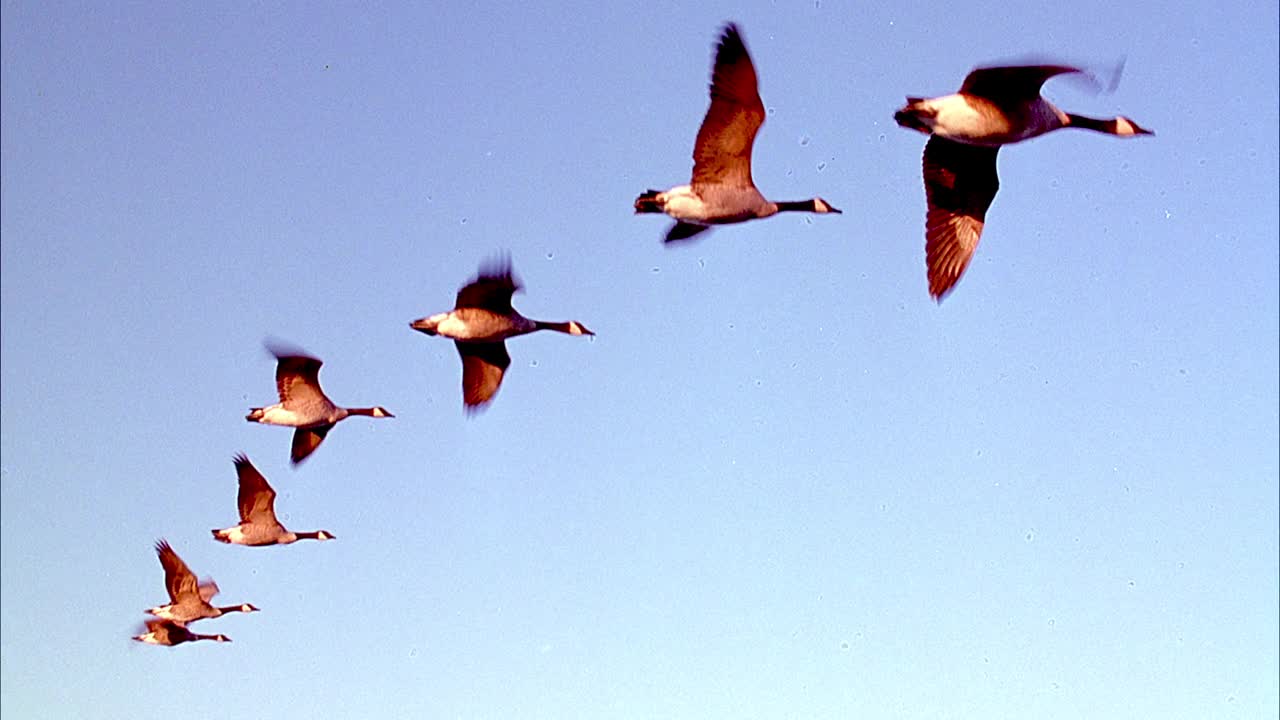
(258, 524)
(995, 106)
(303, 405)
(479, 324)
(722, 190)
(168, 632)
(188, 599)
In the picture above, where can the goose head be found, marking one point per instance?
(822, 206)
(380, 412)
(1126, 127)
(323, 535)
(576, 328)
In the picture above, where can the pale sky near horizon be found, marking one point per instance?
(779, 482)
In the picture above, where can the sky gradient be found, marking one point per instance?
(779, 482)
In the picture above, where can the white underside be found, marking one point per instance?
(714, 204)
(238, 535)
(277, 415)
(478, 325)
(956, 119)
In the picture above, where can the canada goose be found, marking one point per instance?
(303, 404)
(721, 190)
(482, 318)
(995, 106)
(188, 601)
(258, 523)
(168, 632)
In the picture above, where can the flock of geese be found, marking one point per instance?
(995, 106)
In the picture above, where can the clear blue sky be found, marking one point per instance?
(780, 482)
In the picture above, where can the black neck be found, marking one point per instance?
(797, 206)
(1094, 124)
(558, 326)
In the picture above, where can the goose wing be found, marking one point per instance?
(684, 231)
(483, 365)
(491, 289)
(298, 381)
(178, 578)
(305, 442)
(1016, 82)
(960, 182)
(162, 632)
(722, 152)
(256, 499)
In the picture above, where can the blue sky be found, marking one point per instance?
(779, 482)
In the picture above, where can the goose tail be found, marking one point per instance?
(648, 202)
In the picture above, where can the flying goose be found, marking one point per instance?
(168, 632)
(482, 318)
(303, 405)
(995, 106)
(188, 601)
(721, 190)
(258, 523)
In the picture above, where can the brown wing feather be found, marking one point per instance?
(722, 152)
(255, 499)
(298, 379)
(306, 440)
(960, 182)
(178, 578)
(483, 365)
(1017, 82)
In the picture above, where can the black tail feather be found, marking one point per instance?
(648, 202)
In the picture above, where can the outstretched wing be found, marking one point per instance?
(722, 152)
(179, 581)
(298, 379)
(255, 499)
(306, 440)
(483, 365)
(491, 289)
(960, 182)
(1013, 82)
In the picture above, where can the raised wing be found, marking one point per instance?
(1014, 82)
(208, 588)
(722, 152)
(255, 499)
(178, 578)
(298, 380)
(491, 289)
